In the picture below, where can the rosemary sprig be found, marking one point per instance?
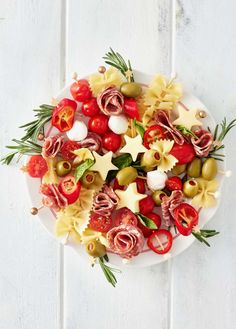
(21, 148)
(34, 128)
(108, 271)
(202, 235)
(221, 130)
(115, 59)
(186, 131)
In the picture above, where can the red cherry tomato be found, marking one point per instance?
(67, 148)
(174, 183)
(152, 134)
(186, 217)
(117, 186)
(140, 185)
(183, 153)
(111, 141)
(63, 115)
(125, 216)
(37, 166)
(80, 90)
(90, 107)
(100, 223)
(146, 205)
(147, 231)
(131, 108)
(160, 241)
(98, 124)
(69, 188)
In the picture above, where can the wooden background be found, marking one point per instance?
(46, 286)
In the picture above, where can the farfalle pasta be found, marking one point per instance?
(124, 168)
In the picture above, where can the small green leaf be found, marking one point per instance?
(122, 161)
(80, 170)
(146, 221)
(139, 128)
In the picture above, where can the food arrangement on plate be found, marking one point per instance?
(125, 167)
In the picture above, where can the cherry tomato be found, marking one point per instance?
(152, 134)
(67, 148)
(147, 231)
(100, 223)
(174, 183)
(111, 141)
(90, 107)
(37, 166)
(156, 243)
(98, 124)
(69, 188)
(63, 115)
(125, 216)
(186, 217)
(183, 153)
(80, 90)
(117, 186)
(131, 108)
(140, 185)
(146, 205)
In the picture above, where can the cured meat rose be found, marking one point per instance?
(52, 146)
(163, 120)
(104, 202)
(52, 197)
(125, 240)
(203, 144)
(111, 101)
(93, 142)
(169, 203)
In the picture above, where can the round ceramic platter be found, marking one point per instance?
(147, 257)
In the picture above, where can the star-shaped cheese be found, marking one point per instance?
(130, 198)
(133, 146)
(103, 164)
(186, 118)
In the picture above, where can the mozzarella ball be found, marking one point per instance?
(156, 180)
(78, 132)
(118, 124)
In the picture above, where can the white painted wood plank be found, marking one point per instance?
(204, 282)
(140, 31)
(29, 75)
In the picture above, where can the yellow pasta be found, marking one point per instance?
(50, 177)
(205, 197)
(99, 82)
(163, 147)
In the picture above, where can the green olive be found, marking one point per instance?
(209, 169)
(194, 168)
(178, 169)
(190, 188)
(126, 176)
(157, 197)
(63, 168)
(88, 178)
(150, 159)
(131, 89)
(95, 249)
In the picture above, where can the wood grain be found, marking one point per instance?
(204, 294)
(29, 75)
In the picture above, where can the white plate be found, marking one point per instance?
(147, 257)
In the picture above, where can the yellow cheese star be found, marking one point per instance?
(130, 198)
(186, 118)
(103, 164)
(133, 146)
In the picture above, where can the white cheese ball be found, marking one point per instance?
(118, 124)
(78, 132)
(156, 180)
